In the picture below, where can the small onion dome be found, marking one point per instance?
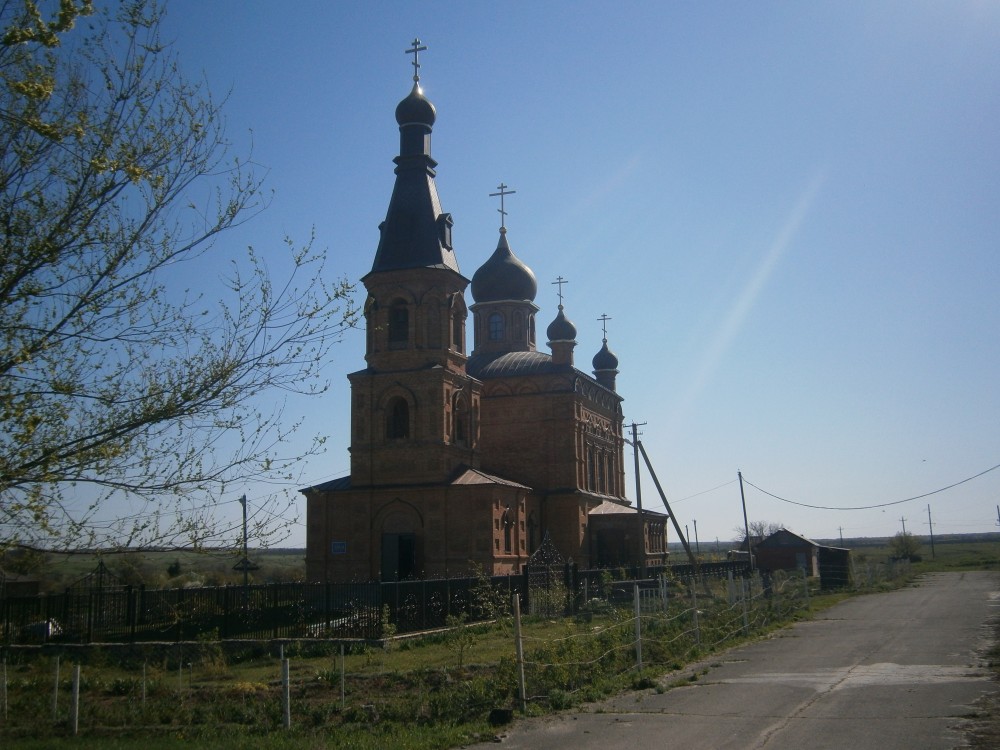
(605, 359)
(503, 277)
(415, 109)
(561, 329)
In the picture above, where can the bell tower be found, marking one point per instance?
(414, 409)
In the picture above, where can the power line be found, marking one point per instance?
(879, 505)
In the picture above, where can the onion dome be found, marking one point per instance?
(561, 329)
(504, 277)
(416, 109)
(605, 359)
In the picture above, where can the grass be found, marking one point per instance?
(432, 691)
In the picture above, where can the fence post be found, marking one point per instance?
(75, 708)
(519, 651)
(274, 610)
(286, 694)
(746, 613)
(3, 689)
(638, 627)
(343, 692)
(55, 693)
(694, 609)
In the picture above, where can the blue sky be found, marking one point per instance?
(790, 211)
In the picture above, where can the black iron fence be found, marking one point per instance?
(301, 610)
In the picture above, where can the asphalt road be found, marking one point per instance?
(892, 671)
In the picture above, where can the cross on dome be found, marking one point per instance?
(560, 281)
(503, 214)
(415, 50)
(604, 325)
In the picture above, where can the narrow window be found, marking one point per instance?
(457, 333)
(398, 422)
(496, 327)
(399, 323)
(461, 416)
(507, 537)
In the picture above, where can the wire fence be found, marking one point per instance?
(601, 640)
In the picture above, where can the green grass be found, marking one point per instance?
(412, 695)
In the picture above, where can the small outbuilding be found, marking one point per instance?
(786, 550)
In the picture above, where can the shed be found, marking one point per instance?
(786, 550)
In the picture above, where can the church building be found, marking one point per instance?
(459, 459)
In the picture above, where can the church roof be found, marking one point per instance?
(505, 364)
(611, 508)
(463, 477)
(605, 359)
(504, 277)
(561, 329)
(475, 476)
(416, 232)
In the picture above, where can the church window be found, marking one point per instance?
(457, 334)
(531, 329)
(518, 327)
(461, 417)
(507, 524)
(398, 420)
(591, 470)
(496, 327)
(399, 324)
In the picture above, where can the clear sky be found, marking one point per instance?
(790, 212)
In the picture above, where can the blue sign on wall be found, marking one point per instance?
(338, 548)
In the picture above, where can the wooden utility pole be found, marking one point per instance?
(902, 520)
(673, 519)
(746, 524)
(641, 523)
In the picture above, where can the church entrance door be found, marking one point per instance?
(399, 556)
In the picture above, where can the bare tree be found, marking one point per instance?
(114, 383)
(758, 530)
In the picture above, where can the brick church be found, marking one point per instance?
(465, 459)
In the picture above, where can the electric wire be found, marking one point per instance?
(877, 505)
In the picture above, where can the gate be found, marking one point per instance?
(548, 594)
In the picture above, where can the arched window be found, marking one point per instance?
(531, 329)
(397, 424)
(399, 324)
(518, 327)
(496, 327)
(507, 524)
(460, 413)
(457, 333)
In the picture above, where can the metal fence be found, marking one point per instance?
(111, 614)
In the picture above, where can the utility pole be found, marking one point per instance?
(903, 521)
(931, 525)
(697, 546)
(841, 530)
(746, 525)
(638, 500)
(244, 564)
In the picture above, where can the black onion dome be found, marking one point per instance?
(605, 359)
(561, 329)
(416, 109)
(503, 277)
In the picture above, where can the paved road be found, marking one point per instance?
(892, 671)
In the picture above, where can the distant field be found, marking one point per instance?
(215, 567)
(168, 569)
